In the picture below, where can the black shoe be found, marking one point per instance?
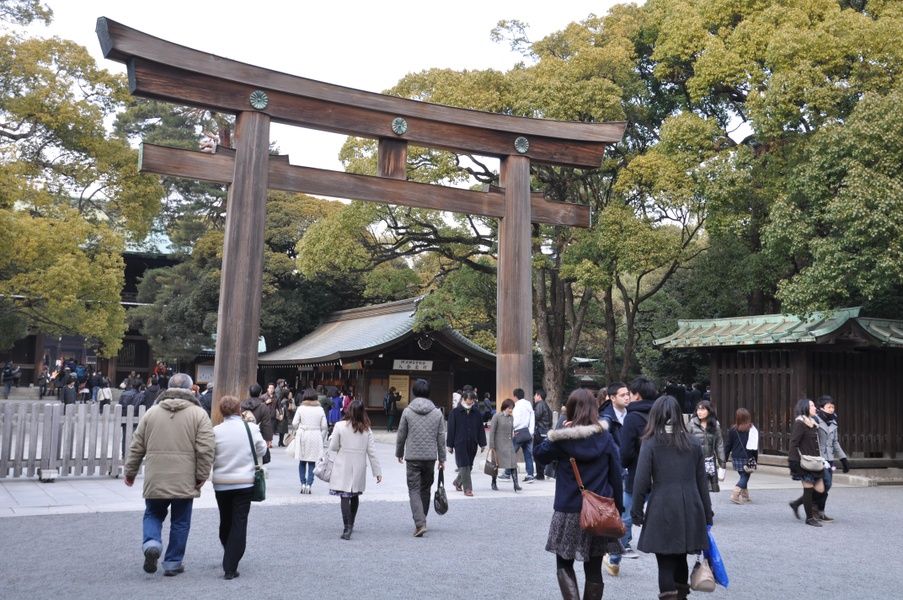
(813, 521)
(495, 487)
(231, 575)
(177, 570)
(822, 517)
(795, 507)
(150, 559)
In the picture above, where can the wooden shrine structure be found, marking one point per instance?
(166, 71)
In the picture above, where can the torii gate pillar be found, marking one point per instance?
(238, 321)
(514, 297)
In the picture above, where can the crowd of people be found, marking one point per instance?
(632, 443)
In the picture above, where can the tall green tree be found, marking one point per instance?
(70, 193)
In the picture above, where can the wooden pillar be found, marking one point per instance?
(514, 357)
(392, 158)
(238, 321)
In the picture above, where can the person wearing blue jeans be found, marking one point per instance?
(306, 473)
(524, 419)
(179, 525)
(175, 441)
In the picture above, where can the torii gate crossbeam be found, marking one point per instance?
(166, 71)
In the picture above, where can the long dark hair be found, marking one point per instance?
(357, 416)
(712, 418)
(802, 408)
(582, 408)
(666, 411)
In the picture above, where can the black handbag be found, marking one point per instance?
(491, 467)
(522, 436)
(440, 499)
(259, 493)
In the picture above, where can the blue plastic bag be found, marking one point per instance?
(715, 561)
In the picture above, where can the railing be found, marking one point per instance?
(45, 440)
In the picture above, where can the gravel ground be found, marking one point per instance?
(484, 548)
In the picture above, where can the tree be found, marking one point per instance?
(70, 193)
(182, 301)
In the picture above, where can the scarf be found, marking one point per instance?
(826, 417)
(805, 419)
(752, 443)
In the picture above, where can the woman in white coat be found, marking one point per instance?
(310, 429)
(352, 442)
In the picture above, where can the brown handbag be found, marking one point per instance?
(599, 515)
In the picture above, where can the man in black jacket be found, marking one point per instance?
(543, 415)
(263, 414)
(642, 396)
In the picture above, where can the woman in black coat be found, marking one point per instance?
(671, 469)
(586, 440)
(465, 433)
(804, 440)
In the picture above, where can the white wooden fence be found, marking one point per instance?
(44, 440)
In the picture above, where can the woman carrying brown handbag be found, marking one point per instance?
(585, 439)
(671, 474)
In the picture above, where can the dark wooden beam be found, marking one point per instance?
(392, 158)
(162, 82)
(167, 71)
(218, 168)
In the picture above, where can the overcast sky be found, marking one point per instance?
(363, 44)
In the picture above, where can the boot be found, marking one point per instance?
(808, 507)
(517, 486)
(495, 486)
(593, 590)
(744, 496)
(355, 502)
(567, 582)
(795, 506)
(669, 595)
(735, 496)
(683, 590)
(346, 518)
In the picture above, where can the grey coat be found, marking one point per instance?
(349, 472)
(828, 443)
(711, 439)
(678, 507)
(501, 430)
(421, 432)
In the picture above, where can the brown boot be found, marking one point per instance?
(744, 496)
(593, 590)
(567, 582)
(735, 496)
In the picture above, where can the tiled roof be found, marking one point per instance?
(355, 332)
(764, 330)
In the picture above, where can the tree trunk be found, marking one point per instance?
(611, 334)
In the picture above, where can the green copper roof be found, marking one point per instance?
(764, 330)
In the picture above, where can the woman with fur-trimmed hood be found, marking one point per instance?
(585, 439)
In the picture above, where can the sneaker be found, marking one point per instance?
(629, 553)
(813, 522)
(150, 559)
(420, 531)
(174, 572)
(505, 476)
(823, 517)
(613, 570)
(529, 479)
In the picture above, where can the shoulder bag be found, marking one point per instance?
(702, 579)
(522, 436)
(814, 464)
(599, 515)
(259, 493)
(323, 468)
(491, 467)
(440, 499)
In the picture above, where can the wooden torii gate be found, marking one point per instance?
(163, 70)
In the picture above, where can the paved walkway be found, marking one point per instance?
(486, 547)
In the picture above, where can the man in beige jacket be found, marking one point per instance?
(175, 440)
